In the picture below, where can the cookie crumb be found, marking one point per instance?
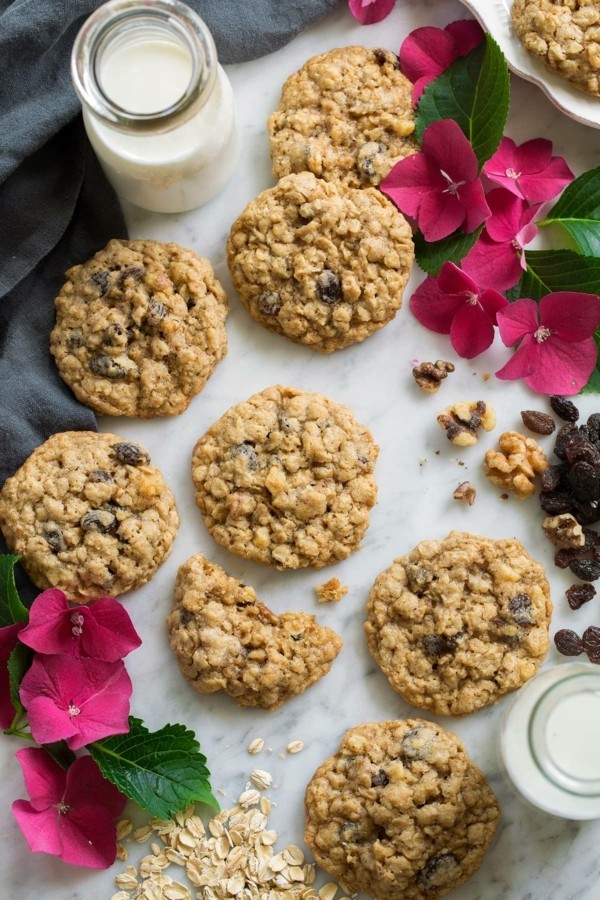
(422, 461)
(504, 496)
(465, 492)
(331, 592)
(486, 376)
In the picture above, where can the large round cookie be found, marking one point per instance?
(400, 812)
(89, 514)
(346, 116)
(139, 328)
(225, 639)
(457, 624)
(322, 265)
(286, 479)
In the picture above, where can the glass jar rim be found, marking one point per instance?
(106, 23)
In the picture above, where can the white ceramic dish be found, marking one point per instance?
(494, 16)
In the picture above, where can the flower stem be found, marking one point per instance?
(25, 735)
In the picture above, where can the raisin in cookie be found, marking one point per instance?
(227, 640)
(139, 328)
(322, 265)
(346, 116)
(565, 35)
(286, 479)
(457, 624)
(400, 812)
(89, 514)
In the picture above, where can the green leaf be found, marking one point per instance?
(11, 608)
(514, 292)
(578, 211)
(593, 385)
(431, 256)
(475, 92)
(559, 270)
(18, 663)
(162, 771)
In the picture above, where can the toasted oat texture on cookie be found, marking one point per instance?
(400, 812)
(565, 35)
(225, 639)
(89, 514)
(322, 265)
(457, 624)
(139, 328)
(346, 115)
(286, 479)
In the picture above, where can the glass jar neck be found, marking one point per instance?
(122, 24)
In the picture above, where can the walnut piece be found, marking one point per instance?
(331, 591)
(564, 531)
(466, 492)
(462, 420)
(429, 376)
(516, 464)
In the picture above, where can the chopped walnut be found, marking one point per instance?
(331, 591)
(564, 531)
(466, 492)
(516, 464)
(462, 420)
(429, 376)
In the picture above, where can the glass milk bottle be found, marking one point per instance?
(157, 106)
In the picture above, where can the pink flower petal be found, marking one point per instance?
(471, 332)
(44, 779)
(472, 197)
(410, 180)
(367, 12)
(89, 837)
(453, 280)
(86, 784)
(8, 641)
(426, 52)
(508, 215)
(538, 188)
(39, 828)
(492, 302)
(574, 316)
(467, 34)
(49, 630)
(445, 144)
(433, 307)
(523, 361)
(563, 367)
(110, 634)
(493, 265)
(48, 723)
(440, 215)
(517, 320)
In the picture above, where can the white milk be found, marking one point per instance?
(145, 75)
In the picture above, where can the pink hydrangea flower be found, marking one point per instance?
(70, 814)
(427, 51)
(557, 352)
(439, 186)
(367, 12)
(9, 637)
(102, 630)
(77, 700)
(453, 304)
(529, 171)
(498, 258)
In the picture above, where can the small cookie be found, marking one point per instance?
(286, 479)
(89, 514)
(458, 624)
(400, 812)
(564, 35)
(319, 264)
(139, 328)
(227, 640)
(346, 115)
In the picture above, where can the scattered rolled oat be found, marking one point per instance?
(261, 779)
(256, 746)
(331, 591)
(462, 420)
(516, 464)
(295, 747)
(465, 492)
(429, 376)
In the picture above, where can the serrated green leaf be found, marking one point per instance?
(18, 663)
(11, 608)
(593, 385)
(578, 212)
(559, 270)
(163, 771)
(475, 92)
(431, 256)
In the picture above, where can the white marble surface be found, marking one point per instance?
(534, 856)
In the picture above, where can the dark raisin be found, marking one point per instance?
(366, 156)
(593, 424)
(562, 558)
(568, 643)
(564, 434)
(587, 511)
(538, 422)
(591, 643)
(131, 454)
(54, 537)
(564, 409)
(329, 288)
(585, 569)
(156, 313)
(107, 367)
(269, 303)
(136, 273)
(74, 339)
(552, 477)
(437, 645)
(102, 281)
(585, 480)
(580, 448)
(383, 56)
(115, 335)
(413, 745)
(297, 637)
(247, 451)
(578, 594)
(520, 609)
(100, 476)
(185, 617)
(348, 832)
(380, 779)
(98, 520)
(555, 502)
(440, 871)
